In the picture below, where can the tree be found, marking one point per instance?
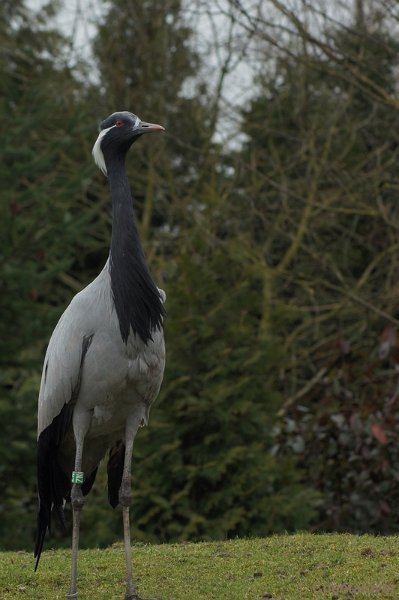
(42, 223)
(319, 168)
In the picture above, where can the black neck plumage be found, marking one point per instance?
(137, 300)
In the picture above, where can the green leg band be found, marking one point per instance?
(77, 477)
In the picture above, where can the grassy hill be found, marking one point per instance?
(300, 567)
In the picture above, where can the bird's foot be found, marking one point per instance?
(131, 594)
(137, 597)
(73, 596)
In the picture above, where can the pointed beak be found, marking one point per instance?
(143, 127)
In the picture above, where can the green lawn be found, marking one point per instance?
(300, 567)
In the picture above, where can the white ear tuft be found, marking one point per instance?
(98, 153)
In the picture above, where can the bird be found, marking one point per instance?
(103, 366)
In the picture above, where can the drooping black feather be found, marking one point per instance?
(137, 301)
(88, 482)
(53, 484)
(136, 298)
(115, 466)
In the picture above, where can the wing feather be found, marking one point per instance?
(61, 370)
(59, 391)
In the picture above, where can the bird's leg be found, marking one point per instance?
(81, 422)
(77, 501)
(125, 499)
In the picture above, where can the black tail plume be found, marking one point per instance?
(45, 492)
(52, 483)
(115, 466)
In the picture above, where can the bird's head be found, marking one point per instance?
(117, 133)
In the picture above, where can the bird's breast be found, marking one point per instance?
(116, 376)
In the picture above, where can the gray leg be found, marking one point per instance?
(81, 422)
(125, 499)
(77, 501)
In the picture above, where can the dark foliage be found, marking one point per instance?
(345, 436)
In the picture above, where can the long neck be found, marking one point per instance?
(124, 232)
(136, 297)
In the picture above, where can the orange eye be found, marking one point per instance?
(118, 123)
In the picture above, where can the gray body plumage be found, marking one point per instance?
(113, 378)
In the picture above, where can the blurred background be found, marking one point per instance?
(268, 213)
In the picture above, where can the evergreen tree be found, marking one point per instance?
(42, 222)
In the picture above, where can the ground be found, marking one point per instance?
(300, 567)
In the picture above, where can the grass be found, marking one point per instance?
(300, 567)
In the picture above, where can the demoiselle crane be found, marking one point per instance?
(104, 364)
